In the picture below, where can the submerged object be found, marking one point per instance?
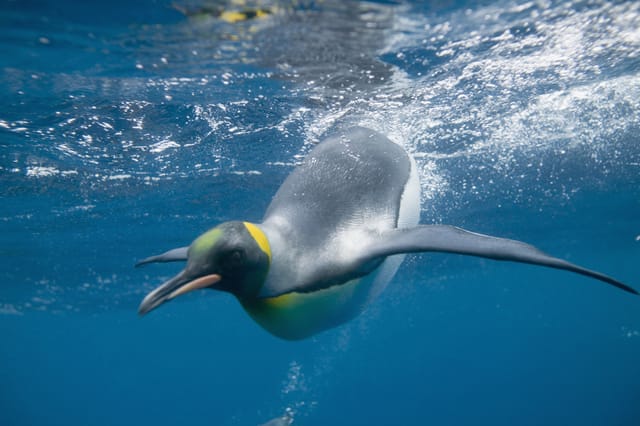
(284, 420)
(332, 238)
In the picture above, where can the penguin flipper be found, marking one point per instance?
(174, 255)
(451, 239)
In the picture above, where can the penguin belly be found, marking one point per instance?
(295, 316)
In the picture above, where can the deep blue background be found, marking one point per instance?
(523, 127)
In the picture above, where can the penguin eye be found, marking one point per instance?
(234, 259)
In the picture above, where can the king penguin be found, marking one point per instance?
(332, 238)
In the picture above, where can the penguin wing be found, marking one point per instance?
(451, 239)
(174, 255)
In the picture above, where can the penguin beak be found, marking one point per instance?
(180, 284)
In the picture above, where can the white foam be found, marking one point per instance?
(246, 172)
(120, 176)
(516, 81)
(42, 171)
(163, 145)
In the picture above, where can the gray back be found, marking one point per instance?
(350, 179)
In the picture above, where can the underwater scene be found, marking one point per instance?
(132, 128)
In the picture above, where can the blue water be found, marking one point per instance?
(128, 128)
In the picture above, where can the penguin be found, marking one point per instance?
(331, 240)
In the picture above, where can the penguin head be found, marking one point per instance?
(232, 257)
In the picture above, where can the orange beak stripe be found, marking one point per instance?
(196, 284)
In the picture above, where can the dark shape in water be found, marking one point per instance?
(285, 420)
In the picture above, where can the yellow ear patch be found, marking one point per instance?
(234, 16)
(260, 238)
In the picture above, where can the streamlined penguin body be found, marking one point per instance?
(317, 224)
(332, 238)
